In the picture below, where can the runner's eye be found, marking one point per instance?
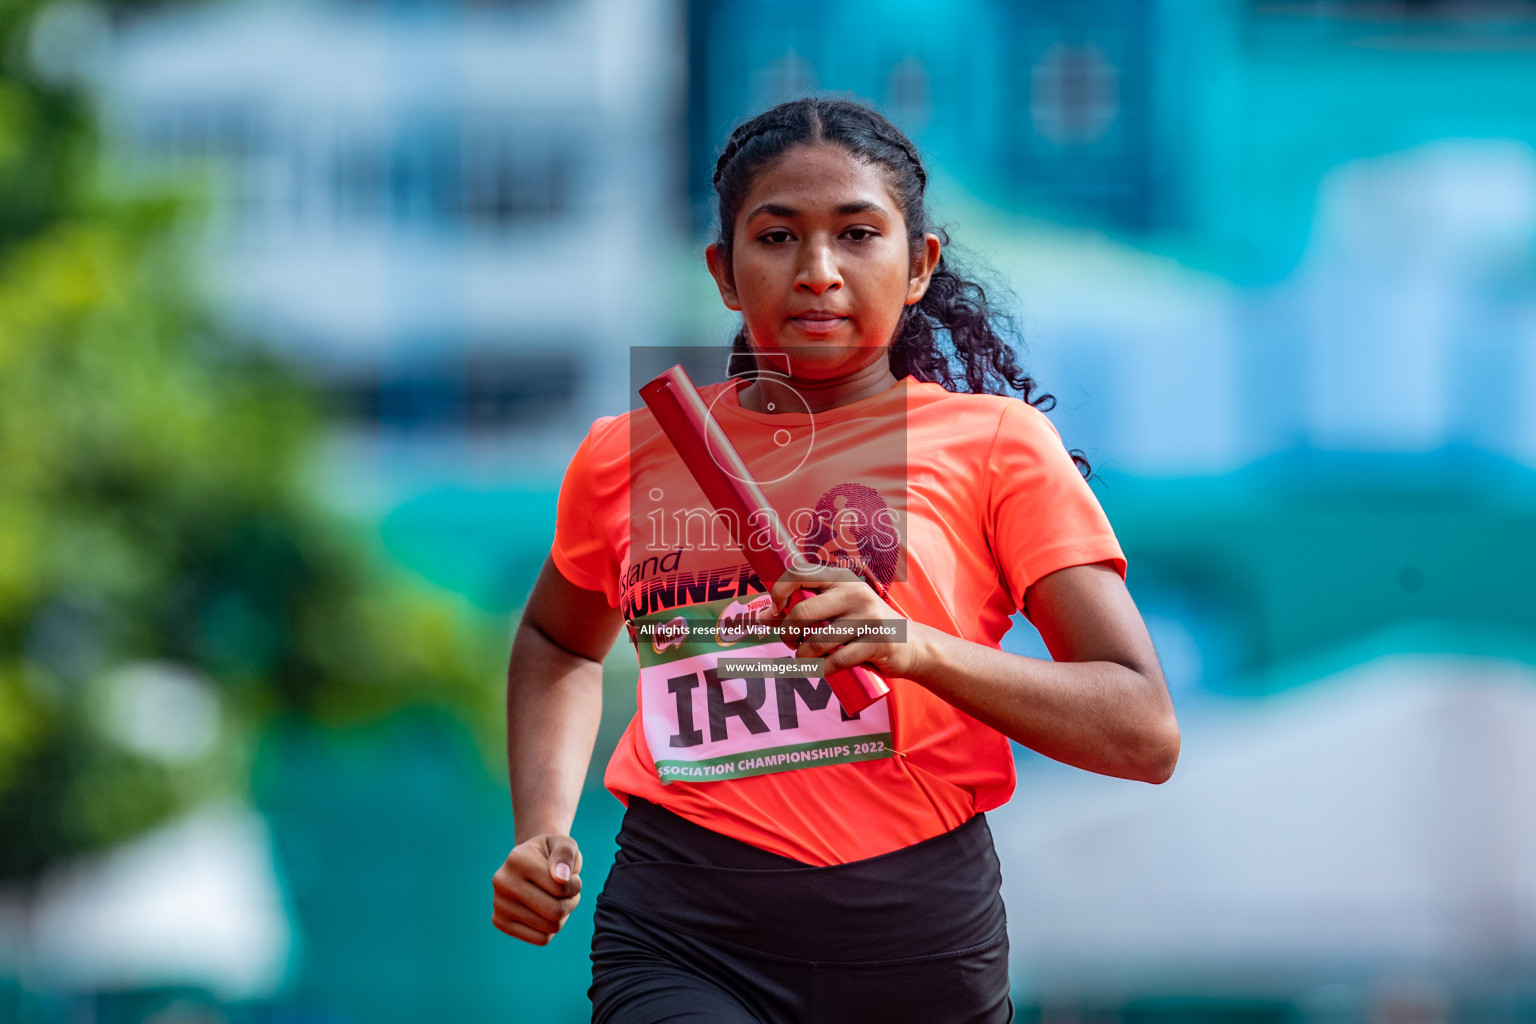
(864, 234)
(775, 237)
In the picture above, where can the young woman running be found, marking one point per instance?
(779, 859)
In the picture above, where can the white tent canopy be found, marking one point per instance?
(1380, 821)
(197, 902)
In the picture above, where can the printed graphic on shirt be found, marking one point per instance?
(854, 528)
(702, 726)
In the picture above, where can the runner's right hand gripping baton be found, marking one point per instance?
(726, 482)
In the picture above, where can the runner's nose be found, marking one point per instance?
(818, 270)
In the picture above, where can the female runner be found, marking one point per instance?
(779, 859)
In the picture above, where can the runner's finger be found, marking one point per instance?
(850, 654)
(814, 609)
(552, 885)
(820, 639)
(512, 881)
(835, 635)
(816, 578)
(519, 930)
(546, 905)
(525, 915)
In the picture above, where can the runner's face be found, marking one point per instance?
(820, 263)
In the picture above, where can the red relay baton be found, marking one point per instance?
(718, 470)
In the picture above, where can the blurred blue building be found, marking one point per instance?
(1202, 128)
(433, 208)
(1275, 260)
(1357, 175)
(1050, 105)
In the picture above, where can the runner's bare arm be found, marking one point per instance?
(1101, 705)
(554, 699)
(554, 703)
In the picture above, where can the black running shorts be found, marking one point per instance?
(696, 926)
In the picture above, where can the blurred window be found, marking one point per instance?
(478, 393)
(513, 174)
(1453, 10)
(468, 5)
(227, 146)
(491, 5)
(1074, 94)
(907, 91)
(427, 169)
(785, 77)
(487, 173)
(179, 135)
(1083, 148)
(1472, 23)
(358, 178)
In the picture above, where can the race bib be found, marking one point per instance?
(703, 725)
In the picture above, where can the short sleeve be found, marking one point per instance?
(1042, 516)
(583, 551)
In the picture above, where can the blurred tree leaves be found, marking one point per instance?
(159, 556)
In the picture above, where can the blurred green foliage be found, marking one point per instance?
(167, 584)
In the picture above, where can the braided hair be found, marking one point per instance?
(953, 336)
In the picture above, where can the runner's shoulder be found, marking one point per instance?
(964, 416)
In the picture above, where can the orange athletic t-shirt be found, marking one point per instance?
(981, 500)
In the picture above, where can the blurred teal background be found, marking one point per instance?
(304, 306)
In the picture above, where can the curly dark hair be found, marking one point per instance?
(953, 336)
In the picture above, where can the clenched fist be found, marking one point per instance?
(535, 890)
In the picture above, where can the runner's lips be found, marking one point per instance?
(818, 323)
